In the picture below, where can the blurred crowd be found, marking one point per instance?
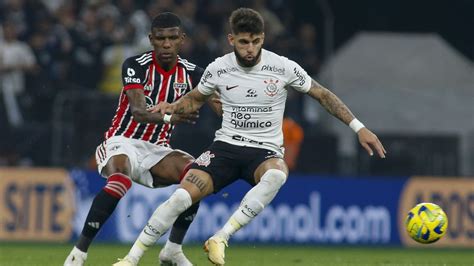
(51, 45)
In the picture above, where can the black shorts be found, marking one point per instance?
(226, 163)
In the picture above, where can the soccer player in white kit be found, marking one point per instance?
(253, 84)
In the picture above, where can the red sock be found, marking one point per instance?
(117, 185)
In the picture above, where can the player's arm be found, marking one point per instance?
(137, 101)
(189, 103)
(214, 100)
(215, 103)
(338, 109)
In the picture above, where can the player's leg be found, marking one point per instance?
(195, 185)
(170, 170)
(269, 176)
(117, 170)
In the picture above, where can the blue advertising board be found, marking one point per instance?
(50, 204)
(307, 210)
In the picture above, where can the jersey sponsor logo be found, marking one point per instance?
(272, 88)
(131, 80)
(243, 120)
(250, 124)
(251, 93)
(274, 69)
(205, 77)
(252, 109)
(231, 87)
(205, 159)
(244, 139)
(300, 77)
(227, 70)
(180, 88)
(130, 72)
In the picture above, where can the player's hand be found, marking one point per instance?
(184, 118)
(163, 108)
(369, 141)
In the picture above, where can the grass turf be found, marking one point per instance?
(240, 255)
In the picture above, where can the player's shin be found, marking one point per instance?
(102, 207)
(254, 201)
(161, 220)
(181, 225)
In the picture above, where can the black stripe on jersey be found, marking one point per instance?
(189, 81)
(127, 118)
(156, 134)
(147, 74)
(170, 131)
(139, 131)
(169, 92)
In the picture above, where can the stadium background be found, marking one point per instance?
(404, 67)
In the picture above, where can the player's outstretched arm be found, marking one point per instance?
(338, 109)
(215, 103)
(189, 103)
(140, 114)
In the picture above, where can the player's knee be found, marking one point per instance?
(275, 177)
(117, 185)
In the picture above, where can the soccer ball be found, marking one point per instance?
(426, 223)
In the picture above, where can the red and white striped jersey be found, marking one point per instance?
(143, 72)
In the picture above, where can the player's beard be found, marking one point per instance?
(246, 63)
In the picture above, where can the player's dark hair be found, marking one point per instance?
(166, 20)
(246, 20)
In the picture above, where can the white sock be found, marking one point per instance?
(161, 220)
(172, 247)
(75, 250)
(254, 201)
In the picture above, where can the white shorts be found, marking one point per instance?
(143, 155)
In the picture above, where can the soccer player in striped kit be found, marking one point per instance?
(136, 146)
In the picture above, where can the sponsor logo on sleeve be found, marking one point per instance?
(301, 79)
(130, 78)
(206, 76)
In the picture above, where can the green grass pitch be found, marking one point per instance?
(240, 255)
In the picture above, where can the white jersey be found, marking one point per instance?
(253, 98)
